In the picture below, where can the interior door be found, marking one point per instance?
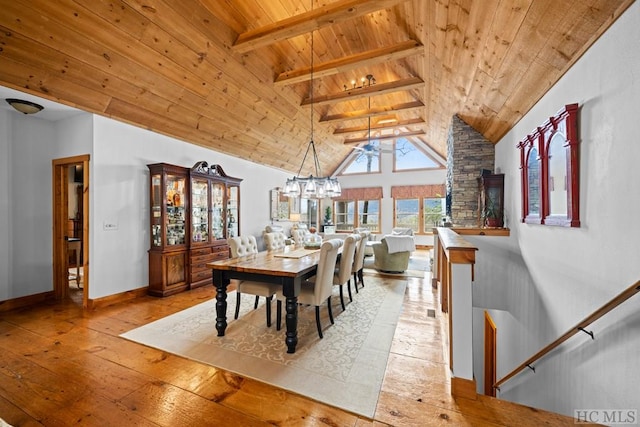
(490, 336)
(70, 234)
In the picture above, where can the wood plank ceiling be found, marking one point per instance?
(233, 75)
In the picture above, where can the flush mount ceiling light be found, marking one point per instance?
(25, 107)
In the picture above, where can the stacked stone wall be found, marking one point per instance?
(468, 153)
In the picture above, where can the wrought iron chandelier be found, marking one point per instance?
(318, 186)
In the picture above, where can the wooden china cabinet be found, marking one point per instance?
(215, 216)
(169, 241)
(193, 212)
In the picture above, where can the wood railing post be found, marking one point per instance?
(454, 273)
(436, 257)
(461, 331)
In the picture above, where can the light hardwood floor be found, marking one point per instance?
(60, 366)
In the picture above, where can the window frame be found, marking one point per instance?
(356, 215)
(443, 206)
(345, 212)
(378, 215)
(437, 164)
(395, 213)
(421, 212)
(356, 157)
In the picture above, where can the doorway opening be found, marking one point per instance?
(70, 231)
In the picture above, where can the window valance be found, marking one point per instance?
(414, 191)
(365, 193)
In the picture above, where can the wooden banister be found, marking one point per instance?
(616, 301)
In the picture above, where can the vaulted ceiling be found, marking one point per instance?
(234, 75)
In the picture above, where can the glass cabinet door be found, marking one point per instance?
(199, 210)
(175, 217)
(156, 210)
(232, 212)
(217, 211)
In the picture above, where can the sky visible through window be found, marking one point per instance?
(367, 161)
(407, 157)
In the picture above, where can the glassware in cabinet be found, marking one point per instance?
(199, 210)
(217, 211)
(175, 217)
(156, 211)
(232, 211)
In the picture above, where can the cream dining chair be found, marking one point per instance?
(342, 273)
(318, 288)
(275, 240)
(245, 245)
(358, 261)
(298, 235)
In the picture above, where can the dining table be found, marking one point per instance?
(288, 267)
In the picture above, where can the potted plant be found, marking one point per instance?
(492, 214)
(327, 216)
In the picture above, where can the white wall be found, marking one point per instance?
(549, 278)
(30, 220)
(27, 146)
(74, 136)
(119, 182)
(6, 236)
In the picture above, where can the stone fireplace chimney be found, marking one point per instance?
(468, 153)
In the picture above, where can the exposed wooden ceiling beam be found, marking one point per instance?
(358, 93)
(385, 137)
(377, 126)
(359, 60)
(330, 14)
(372, 112)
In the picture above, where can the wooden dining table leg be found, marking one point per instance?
(291, 290)
(220, 281)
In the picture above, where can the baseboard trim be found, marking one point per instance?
(96, 303)
(26, 301)
(461, 387)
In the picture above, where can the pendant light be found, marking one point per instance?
(318, 186)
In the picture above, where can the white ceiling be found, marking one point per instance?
(52, 110)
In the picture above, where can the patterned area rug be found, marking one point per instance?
(344, 369)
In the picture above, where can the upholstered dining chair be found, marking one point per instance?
(342, 272)
(358, 261)
(318, 288)
(298, 235)
(241, 246)
(275, 240)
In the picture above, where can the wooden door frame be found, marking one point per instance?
(490, 342)
(60, 183)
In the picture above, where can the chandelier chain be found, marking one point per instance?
(318, 186)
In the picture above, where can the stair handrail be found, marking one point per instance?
(580, 327)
